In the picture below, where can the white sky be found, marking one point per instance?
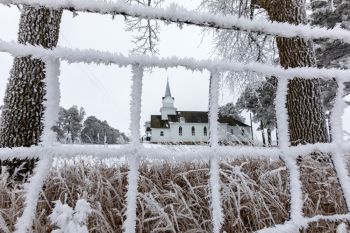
(104, 91)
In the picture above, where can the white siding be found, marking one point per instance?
(171, 135)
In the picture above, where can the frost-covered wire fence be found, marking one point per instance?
(135, 152)
(180, 15)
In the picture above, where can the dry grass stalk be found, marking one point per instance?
(175, 197)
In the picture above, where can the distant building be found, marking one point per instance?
(191, 127)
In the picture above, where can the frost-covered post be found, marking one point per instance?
(21, 119)
(216, 207)
(134, 160)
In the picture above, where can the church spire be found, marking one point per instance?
(167, 90)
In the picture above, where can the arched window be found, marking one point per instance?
(205, 131)
(180, 131)
(243, 132)
(193, 131)
(231, 131)
(161, 133)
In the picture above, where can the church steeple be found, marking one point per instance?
(167, 103)
(167, 89)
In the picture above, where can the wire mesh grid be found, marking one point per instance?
(135, 152)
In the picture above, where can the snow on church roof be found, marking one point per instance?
(191, 117)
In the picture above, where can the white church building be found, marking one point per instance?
(191, 127)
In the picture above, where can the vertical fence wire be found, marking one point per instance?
(32, 192)
(52, 100)
(216, 206)
(296, 194)
(129, 225)
(337, 136)
(34, 186)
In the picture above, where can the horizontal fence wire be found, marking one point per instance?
(180, 15)
(135, 152)
(169, 153)
(90, 56)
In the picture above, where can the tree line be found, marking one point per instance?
(72, 128)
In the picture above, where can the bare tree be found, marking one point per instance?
(147, 39)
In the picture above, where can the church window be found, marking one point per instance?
(180, 131)
(161, 133)
(205, 131)
(193, 131)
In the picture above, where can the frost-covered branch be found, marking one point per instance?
(147, 39)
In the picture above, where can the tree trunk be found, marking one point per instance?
(269, 137)
(21, 119)
(329, 126)
(263, 133)
(251, 126)
(306, 116)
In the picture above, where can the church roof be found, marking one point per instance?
(191, 117)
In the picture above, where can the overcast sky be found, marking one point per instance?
(104, 91)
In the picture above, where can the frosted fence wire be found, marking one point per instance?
(296, 207)
(90, 56)
(337, 157)
(32, 192)
(136, 152)
(129, 226)
(177, 14)
(52, 100)
(214, 180)
(34, 187)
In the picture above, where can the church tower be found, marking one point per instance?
(167, 103)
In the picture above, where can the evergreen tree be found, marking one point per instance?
(73, 122)
(70, 124)
(231, 109)
(260, 101)
(331, 53)
(96, 131)
(22, 113)
(330, 14)
(59, 128)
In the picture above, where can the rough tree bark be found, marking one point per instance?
(306, 115)
(21, 119)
